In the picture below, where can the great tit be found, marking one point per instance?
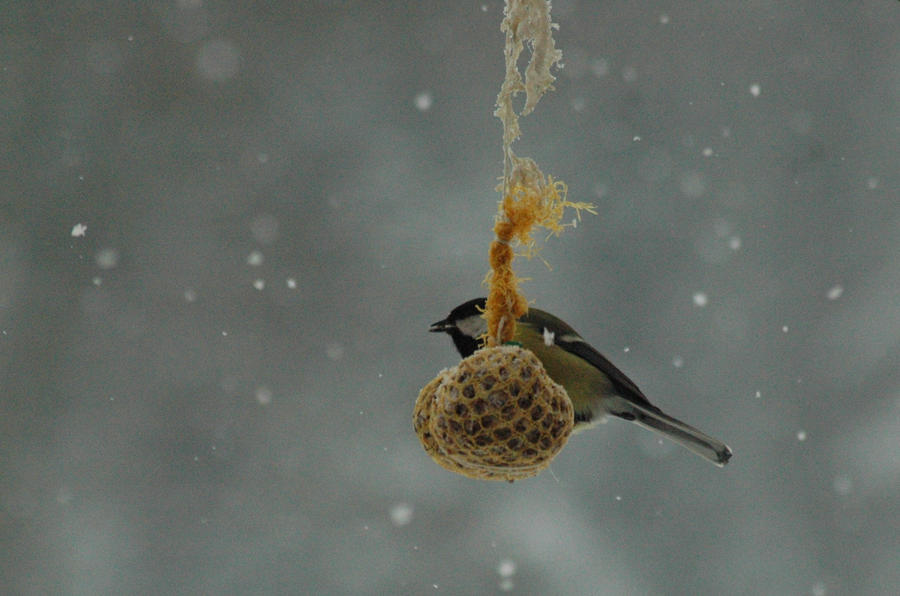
(595, 386)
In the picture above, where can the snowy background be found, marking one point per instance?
(209, 388)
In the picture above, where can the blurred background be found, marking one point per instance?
(226, 226)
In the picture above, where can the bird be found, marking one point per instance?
(596, 387)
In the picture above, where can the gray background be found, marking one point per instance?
(176, 419)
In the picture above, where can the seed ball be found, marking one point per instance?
(497, 415)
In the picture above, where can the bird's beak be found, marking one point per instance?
(440, 326)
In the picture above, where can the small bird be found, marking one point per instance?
(595, 386)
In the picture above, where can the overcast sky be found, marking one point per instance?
(226, 226)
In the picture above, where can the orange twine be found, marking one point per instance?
(522, 208)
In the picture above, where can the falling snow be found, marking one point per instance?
(401, 514)
(225, 154)
(835, 292)
(600, 67)
(506, 568)
(107, 258)
(264, 229)
(334, 351)
(255, 258)
(423, 101)
(264, 395)
(843, 485)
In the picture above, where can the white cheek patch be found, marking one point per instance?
(473, 326)
(548, 337)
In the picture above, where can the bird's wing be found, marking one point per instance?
(571, 341)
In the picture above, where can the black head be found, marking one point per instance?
(464, 325)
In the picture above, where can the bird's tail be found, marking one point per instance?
(684, 434)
